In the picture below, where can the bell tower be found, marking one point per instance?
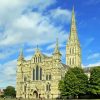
(73, 50)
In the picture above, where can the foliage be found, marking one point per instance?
(10, 91)
(82, 78)
(74, 82)
(94, 85)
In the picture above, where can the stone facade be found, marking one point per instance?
(39, 77)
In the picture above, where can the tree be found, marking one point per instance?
(68, 86)
(74, 82)
(94, 85)
(10, 91)
(83, 79)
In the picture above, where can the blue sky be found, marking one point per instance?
(27, 23)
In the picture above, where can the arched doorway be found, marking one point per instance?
(35, 94)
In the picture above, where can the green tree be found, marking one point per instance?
(10, 91)
(74, 82)
(94, 85)
(82, 78)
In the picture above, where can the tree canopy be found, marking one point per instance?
(74, 82)
(94, 85)
(10, 91)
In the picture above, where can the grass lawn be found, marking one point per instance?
(7, 99)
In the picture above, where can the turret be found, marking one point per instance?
(21, 57)
(57, 54)
(19, 75)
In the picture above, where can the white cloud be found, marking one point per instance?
(28, 57)
(62, 15)
(31, 28)
(93, 64)
(11, 9)
(8, 73)
(21, 24)
(9, 68)
(7, 51)
(94, 56)
(52, 46)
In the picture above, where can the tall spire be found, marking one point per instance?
(56, 50)
(73, 50)
(73, 31)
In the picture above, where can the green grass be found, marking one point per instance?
(7, 99)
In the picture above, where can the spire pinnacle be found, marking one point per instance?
(73, 31)
(21, 55)
(56, 50)
(37, 49)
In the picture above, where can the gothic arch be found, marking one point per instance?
(35, 94)
(37, 73)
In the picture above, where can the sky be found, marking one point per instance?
(24, 24)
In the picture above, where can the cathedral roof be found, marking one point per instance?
(65, 66)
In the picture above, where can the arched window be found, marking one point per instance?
(50, 77)
(33, 74)
(40, 59)
(25, 79)
(46, 77)
(40, 73)
(73, 50)
(25, 88)
(48, 87)
(36, 59)
(37, 72)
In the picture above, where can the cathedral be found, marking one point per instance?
(39, 76)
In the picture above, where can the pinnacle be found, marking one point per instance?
(56, 50)
(37, 50)
(73, 30)
(21, 54)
